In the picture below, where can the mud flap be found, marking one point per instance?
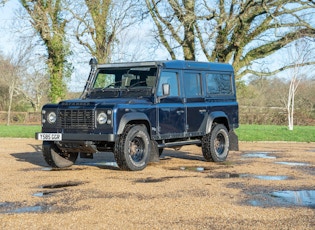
(233, 141)
(154, 153)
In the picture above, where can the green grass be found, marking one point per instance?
(244, 132)
(20, 131)
(276, 133)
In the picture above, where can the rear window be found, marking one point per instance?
(219, 84)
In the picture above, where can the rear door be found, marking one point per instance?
(194, 103)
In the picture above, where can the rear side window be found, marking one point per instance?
(219, 84)
(192, 85)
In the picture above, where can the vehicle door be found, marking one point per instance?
(171, 111)
(194, 103)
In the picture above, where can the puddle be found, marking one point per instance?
(261, 177)
(198, 169)
(28, 209)
(264, 155)
(223, 175)
(244, 175)
(47, 169)
(293, 163)
(45, 193)
(192, 168)
(62, 185)
(302, 198)
(10, 207)
(152, 180)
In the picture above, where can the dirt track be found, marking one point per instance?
(181, 192)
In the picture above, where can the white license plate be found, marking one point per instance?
(49, 136)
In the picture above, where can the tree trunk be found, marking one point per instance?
(11, 91)
(291, 97)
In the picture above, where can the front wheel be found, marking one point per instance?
(132, 149)
(56, 158)
(215, 145)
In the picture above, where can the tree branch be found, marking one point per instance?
(272, 73)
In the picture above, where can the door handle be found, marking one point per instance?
(179, 112)
(202, 110)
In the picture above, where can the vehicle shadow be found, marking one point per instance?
(102, 160)
(35, 158)
(180, 155)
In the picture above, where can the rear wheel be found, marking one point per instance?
(132, 149)
(215, 145)
(56, 158)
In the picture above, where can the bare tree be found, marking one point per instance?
(240, 32)
(33, 86)
(9, 75)
(12, 82)
(22, 77)
(301, 53)
(99, 23)
(33, 77)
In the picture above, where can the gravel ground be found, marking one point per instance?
(182, 191)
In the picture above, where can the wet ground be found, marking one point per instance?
(262, 186)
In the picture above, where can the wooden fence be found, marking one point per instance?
(21, 117)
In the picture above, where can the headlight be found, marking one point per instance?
(51, 117)
(102, 118)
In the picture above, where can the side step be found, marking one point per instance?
(179, 143)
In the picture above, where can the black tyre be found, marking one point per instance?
(215, 145)
(56, 158)
(132, 149)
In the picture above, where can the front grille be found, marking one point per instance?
(76, 118)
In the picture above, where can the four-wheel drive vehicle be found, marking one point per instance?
(136, 109)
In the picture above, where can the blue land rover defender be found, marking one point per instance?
(135, 110)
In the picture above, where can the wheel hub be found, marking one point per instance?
(136, 149)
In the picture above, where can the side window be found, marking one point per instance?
(170, 78)
(219, 84)
(192, 85)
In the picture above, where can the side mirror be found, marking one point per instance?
(166, 89)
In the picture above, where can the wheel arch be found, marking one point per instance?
(217, 117)
(134, 118)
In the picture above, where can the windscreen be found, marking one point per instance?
(124, 82)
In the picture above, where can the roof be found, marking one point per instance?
(174, 64)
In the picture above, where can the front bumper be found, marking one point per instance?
(78, 137)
